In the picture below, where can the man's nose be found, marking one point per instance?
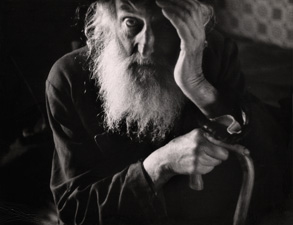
(146, 42)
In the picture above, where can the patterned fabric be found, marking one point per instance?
(270, 21)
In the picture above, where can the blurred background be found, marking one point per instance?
(35, 33)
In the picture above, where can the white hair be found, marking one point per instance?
(142, 93)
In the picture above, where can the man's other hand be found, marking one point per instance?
(191, 153)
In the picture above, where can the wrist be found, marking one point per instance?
(156, 167)
(192, 83)
(200, 92)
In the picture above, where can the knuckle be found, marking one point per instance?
(196, 134)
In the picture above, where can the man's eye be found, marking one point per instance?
(131, 22)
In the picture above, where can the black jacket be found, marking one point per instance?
(97, 177)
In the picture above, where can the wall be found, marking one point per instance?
(270, 21)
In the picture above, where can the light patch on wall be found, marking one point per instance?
(269, 21)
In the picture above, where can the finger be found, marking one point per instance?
(188, 34)
(201, 169)
(174, 9)
(193, 7)
(215, 151)
(235, 148)
(184, 14)
(171, 4)
(187, 7)
(180, 25)
(201, 12)
(188, 13)
(207, 160)
(207, 13)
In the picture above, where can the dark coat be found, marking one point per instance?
(97, 177)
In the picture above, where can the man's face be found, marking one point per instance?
(134, 56)
(142, 29)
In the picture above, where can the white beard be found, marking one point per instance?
(142, 93)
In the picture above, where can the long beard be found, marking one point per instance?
(141, 93)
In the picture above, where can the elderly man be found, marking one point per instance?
(152, 100)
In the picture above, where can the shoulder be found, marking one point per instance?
(69, 69)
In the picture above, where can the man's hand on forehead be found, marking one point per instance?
(188, 19)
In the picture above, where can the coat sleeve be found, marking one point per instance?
(87, 187)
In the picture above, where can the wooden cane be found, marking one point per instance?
(247, 166)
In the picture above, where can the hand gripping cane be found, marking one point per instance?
(246, 162)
